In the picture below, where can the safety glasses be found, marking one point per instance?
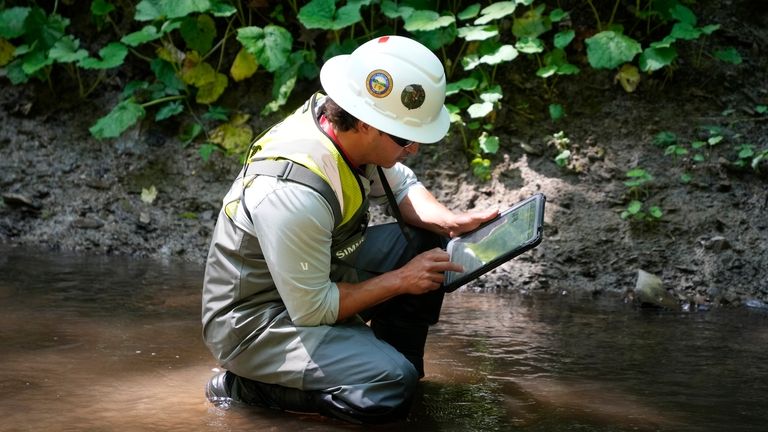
(402, 142)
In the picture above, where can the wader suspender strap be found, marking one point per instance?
(395, 208)
(289, 170)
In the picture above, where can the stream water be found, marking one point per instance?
(113, 344)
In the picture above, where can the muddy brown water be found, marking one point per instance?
(113, 344)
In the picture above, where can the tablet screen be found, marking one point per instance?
(516, 230)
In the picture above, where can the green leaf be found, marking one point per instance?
(151, 10)
(496, 11)
(165, 73)
(558, 15)
(634, 206)
(608, 49)
(12, 22)
(683, 14)
(216, 113)
(556, 112)
(285, 82)
(488, 143)
(478, 33)
(563, 157)
(469, 12)
(111, 55)
(481, 168)
(563, 38)
(122, 116)
(206, 150)
(209, 92)
(101, 8)
(504, 53)
(528, 45)
(492, 94)
(463, 84)
(271, 45)
(146, 34)
(685, 31)
(479, 110)
(532, 24)
(322, 14)
(656, 58)
(34, 61)
(169, 110)
(189, 132)
(656, 212)
(198, 32)
(664, 138)
(148, 195)
(436, 39)
(67, 50)
(426, 20)
(728, 55)
(44, 30)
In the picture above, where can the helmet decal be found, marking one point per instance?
(379, 83)
(412, 96)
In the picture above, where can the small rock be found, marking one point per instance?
(20, 201)
(717, 243)
(87, 223)
(649, 290)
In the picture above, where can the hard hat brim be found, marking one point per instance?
(332, 77)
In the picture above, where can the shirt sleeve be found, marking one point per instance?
(294, 226)
(401, 179)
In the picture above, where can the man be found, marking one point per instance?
(294, 273)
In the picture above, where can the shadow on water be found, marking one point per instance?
(107, 343)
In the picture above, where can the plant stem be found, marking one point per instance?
(163, 100)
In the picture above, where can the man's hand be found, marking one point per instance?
(426, 271)
(468, 221)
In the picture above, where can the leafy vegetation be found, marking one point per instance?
(195, 51)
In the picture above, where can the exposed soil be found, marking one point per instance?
(62, 189)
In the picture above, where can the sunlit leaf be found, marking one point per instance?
(271, 45)
(122, 116)
(148, 195)
(235, 136)
(67, 50)
(150, 10)
(111, 55)
(244, 66)
(426, 20)
(496, 11)
(478, 33)
(480, 110)
(505, 53)
(488, 143)
(608, 49)
(322, 14)
(529, 45)
(463, 84)
(629, 77)
(197, 73)
(469, 12)
(656, 58)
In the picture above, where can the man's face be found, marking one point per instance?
(394, 149)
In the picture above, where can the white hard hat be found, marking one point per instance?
(394, 84)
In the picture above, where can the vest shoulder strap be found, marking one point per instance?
(288, 170)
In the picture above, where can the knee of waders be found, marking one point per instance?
(335, 408)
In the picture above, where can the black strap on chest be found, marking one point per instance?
(395, 208)
(285, 169)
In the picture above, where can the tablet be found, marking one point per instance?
(514, 231)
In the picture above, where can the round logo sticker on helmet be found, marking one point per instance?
(379, 83)
(412, 96)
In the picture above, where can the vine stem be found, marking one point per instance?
(162, 100)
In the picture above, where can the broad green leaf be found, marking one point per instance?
(101, 7)
(531, 24)
(634, 206)
(210, 92)
(12, 22)
(529, 45)
(563, 38)
(709, 29)
(151, 10)
(471, 61)
(656, 212)
(271, 45)
(436, 39)
(556, 112)
(244, 66)
(664, 138)
(426, 20)
(15, 72)
(505, 53)
(479, 110)
(189, 132)
(683, 14)
(166, 74)
(285, 82)
(664, 43)
(728, 55)
(656, 58)
(558, 15)
(221, 8)
(322, 14)
(608, 49)
(469, 12)
(463, 84)
(67, 50)
(393, 10)
(478, 33)
(206, 150)
(218, 113)
(146, 34)
(34, 61)
(122, 116)
(685, 31)
(488, 143)
(196, 72)
(198, 32)
(44, 29)
(111, 55)
(493, 94)
(562, 158)
(546, 71)
(496, 11)
(567, 69)
(169, 110)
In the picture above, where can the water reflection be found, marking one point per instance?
(97, 343)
